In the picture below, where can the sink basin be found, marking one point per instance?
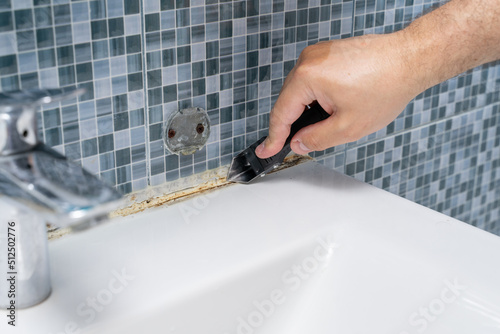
(305, 250)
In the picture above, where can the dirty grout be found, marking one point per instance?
(175, 191)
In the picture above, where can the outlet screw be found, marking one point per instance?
(200, 128)
(171, 133)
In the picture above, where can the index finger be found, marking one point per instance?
(291, 102)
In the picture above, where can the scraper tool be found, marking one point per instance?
(246, 166)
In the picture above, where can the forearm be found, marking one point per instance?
(456, 37)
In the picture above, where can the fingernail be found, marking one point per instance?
(260, 148)
(304, 147)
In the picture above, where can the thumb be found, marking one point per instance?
(318, 136)
(278, 133)
(288, 107)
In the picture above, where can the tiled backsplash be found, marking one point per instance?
(140, 60)
(443, 151)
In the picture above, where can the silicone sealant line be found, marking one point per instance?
(175, 191)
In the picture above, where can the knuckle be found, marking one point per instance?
(307, 62)
(302, 70)
(306, 52)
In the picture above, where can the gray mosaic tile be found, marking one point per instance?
(141, 60)
(436, 165)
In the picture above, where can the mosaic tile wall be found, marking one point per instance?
(452, 165)
(443, 151)
(140, 60)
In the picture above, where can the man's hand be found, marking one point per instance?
(360, 81)
(365, 82)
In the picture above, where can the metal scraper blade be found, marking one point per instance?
(245, 167)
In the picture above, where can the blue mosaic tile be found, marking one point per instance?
(436, 165)
(140, 60)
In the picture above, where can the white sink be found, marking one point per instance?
(305, 250)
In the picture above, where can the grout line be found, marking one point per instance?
(402, 132)
(145, 92)
(422, 125)
(344, 165)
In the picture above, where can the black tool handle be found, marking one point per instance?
(312, 114)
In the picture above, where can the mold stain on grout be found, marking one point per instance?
(56, 233)
(211, 185)
(176, 191)
(171, 197)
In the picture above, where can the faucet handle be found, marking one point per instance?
(18, 128)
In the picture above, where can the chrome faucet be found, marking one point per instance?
(37, 186)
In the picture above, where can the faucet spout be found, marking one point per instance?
(44, 181)
(39, 185)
